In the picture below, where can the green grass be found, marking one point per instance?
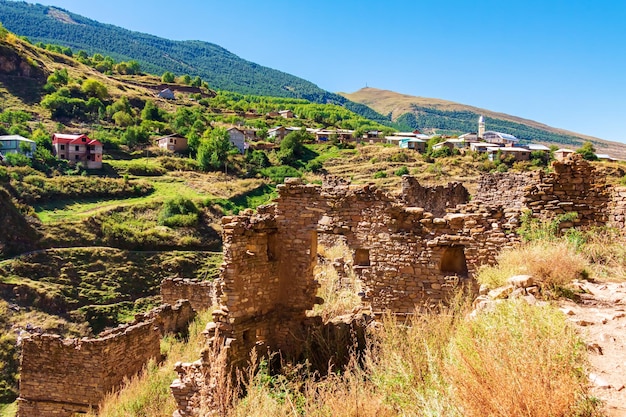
(8, 410)
(165, 188)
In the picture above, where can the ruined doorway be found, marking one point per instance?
(453, 261)
(340, 286)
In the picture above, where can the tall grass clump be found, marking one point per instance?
(517, 360)
(552, 264)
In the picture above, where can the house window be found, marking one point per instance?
(84, 139)
(453, 261)
(171, 140)
(76, 148)
(76, 157)
(62, 147)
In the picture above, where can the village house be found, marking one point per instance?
(519, 153)
(343, 135)
(17, 144)
(453, 143)
(500, 138)
(561, 154)
(166, 94)
(172, 143)
(237, 138)
(287, 114)
(272, 114)
(78, 148)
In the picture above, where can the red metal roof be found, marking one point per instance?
(73, 139)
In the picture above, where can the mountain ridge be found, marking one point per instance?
(399, 105)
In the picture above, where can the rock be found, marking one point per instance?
(500, 293)
(568, 311)
(484, 290)
(595, 348)
(521, 281)
(598, 381)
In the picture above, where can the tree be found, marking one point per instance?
(292, 147)
(94, 88)
(588, 151)
(58, 77)
(152, 112)
(168, 77)
(197, 82)
(213, 149)
(185, 79)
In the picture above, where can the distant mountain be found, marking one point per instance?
(447, 117)
(222, 69)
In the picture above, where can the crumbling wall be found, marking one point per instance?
(617, 209)
(201, 294)
(436, 200)
(60, 377)
(404, 255)
(573, 186)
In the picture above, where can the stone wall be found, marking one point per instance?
(573, 186)
(201, 294)
(436, 200)
(404, 256)
(617, 210)
(60, 377)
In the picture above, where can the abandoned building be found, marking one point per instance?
(409, 250)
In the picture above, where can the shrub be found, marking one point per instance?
(179, 212)
(17, 160)
(380, 174)
(399, 157)
(278, 174)
(442, 152)
(401, 171)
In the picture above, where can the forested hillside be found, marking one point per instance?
(222, 69)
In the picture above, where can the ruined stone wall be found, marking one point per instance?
(617, 208)
(201, 294)
(508, 189)
(59, 377)
(574, 186)
(436, 200)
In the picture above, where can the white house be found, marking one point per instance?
(237, 138)
(17, 144)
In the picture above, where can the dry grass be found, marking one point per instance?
(605, 250)
(551, 263)
(517, 360)
(340, 295)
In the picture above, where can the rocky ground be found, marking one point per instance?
(601, 317)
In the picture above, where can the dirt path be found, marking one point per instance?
(601, 318)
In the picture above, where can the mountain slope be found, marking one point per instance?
(449, 117)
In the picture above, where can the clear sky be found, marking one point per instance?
(559, 62)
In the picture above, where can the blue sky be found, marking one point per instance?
(562, 63)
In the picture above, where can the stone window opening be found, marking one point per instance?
(362, 257)
(453, 261)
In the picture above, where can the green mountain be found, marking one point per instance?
(222, 69)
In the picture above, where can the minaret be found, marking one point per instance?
(481, 126)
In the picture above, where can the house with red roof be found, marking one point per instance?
(78, 148)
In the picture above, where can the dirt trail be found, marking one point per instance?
(601, 318)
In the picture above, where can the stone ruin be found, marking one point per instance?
(411, 250)
(62, 377)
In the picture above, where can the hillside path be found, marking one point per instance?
(601, 318)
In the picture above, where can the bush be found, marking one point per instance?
(380, 174)
(279, 173)
(442, 152)
(179, 212)
(401, 171)
(17, 160)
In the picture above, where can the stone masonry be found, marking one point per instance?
(61, 377)
(201, 294)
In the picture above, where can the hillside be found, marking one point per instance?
(447, 117)
(222, 69)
